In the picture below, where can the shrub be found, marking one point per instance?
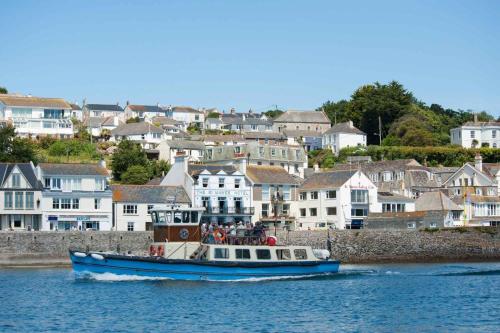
(135, 175)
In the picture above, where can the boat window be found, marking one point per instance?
(242, 254)
(154, 217)
(161, 217)
(194, 217)
(263, 254)
(185, 217)
(221, 253)
(300, 254)
(283, 254)
(177, 217)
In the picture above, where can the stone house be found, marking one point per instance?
(316, 121)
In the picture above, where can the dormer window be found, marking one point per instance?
(221, 182)
(237, 183)
(16, 180)
(204, 182)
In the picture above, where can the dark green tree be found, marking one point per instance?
(14, 149)
(337, 112)
(3, 90)
(159, 168)
(213, 115)
(273, 113)
(135, 175)
(127, 154)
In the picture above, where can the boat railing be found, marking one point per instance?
(236, 239)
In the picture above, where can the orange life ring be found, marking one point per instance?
(223, 235)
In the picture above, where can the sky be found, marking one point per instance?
(251, 54)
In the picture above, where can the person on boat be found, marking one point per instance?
(240, 233)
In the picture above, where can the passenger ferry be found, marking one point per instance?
(179, 252)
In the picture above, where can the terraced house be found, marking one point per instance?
(75, 197)
(37, 116)
(20, 197)
(104, 110)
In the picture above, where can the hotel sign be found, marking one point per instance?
(227, 193)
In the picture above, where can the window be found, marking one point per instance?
(76, 204)
(97, 203)
(331, 210)
(261, 151)
(314, 195)
(47, 182)
(242, 253)
(237, 149)
(8, 200)
(433, 225)
(16, 180)
(303, 196)
(130, 226)
(265, 193)
(411, 225)
(265, 210)
(273, 152)
(283, 254)
(493, 134)
(30, 202)
(359, 196)
(221, 253)
(253, 127)
(204, 182)
(55, 203)
(472, 134)
(237, 183)
(331, 194)
(302, 212)
(300, 254)
(359, 212)
(99, 184)
(263, 254)
(77, 184)
(19, 200)
(285, 209)
(221, 182)
(66, 184)
(65, 203)
(130, 209)
(283, 153)
(313, 212)
(150, 208)
(286, 193)
(56, 183)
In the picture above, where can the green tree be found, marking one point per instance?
(213, 115)
(3, 90)
(337, 112)
(273, 113)
(159, 168)
(133, 120)
(135, 175)
(127, 154)
(14, 149)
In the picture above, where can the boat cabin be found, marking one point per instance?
(255, 253)
(174, 223)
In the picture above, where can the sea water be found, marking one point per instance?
(375, 298)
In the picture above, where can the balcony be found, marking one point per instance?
(229, 211)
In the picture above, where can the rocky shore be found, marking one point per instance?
(349, 246)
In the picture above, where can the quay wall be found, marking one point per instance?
(349, 246)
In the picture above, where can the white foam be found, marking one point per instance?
(273, 278)
(111, 277)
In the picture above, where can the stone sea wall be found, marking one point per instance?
(349, 246)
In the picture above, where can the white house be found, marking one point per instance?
(336, 199)
(76, 112)
(168, 149)
(144, 112)
(144, 133)
(476, 134)
(37, 116)
(187, 115)
(20, 197)
(104, 110)
(343, 135)
(223, 190)
(132, 204)
(98, 125)
(75, 197)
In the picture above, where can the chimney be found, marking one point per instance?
(102, 163)
(351, 124)
(475, 117)
(242, 165)
(478, 162)
(181, 160)
(233, 111)
(128, 103)
(316, 167)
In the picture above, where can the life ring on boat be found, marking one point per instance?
(161, 250)
(222, 235)
(152, 250)
(271, 241)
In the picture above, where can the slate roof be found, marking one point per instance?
(380, 166)
(136, 129)
(474, 198)
(194, 170)
(389, 196)
(150, 194)
(165, 121)
(73, 169)
(94, 122)
(104, 107)
(25, 101)
(301, 133)
(329, 179)
(481, 123)
(145, 108)
(302, 117)
(264, 135)
(261, 174)
(25, 168)
(223, 138)
(436, 200)
(346, 127)
(75, 107)
(187, 109)
(419, 178)
(185, 144)
(491, 169)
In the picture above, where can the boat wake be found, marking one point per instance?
(111, 277)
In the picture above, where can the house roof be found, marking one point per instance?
(187, 109)
(75, 107)
(491, 169)
(150, 194)
(25, 168)
(223, 138)
(346, 127)
(145, 108)
(94, 122)
(302, 117)
(329, 179)
(474, 198)
(481, 123)
(136, 129)
(264, 135)
(73, 169)
(301, 133)
(389, 196)
(194, 170)
(26, 101)
(380, 166)
(261, 174)
(436, 200)
(185, 144)
(104, 107)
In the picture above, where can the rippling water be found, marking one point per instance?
(382, 298)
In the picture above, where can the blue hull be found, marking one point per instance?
(193, 270)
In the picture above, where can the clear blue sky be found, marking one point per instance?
(251, 54)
